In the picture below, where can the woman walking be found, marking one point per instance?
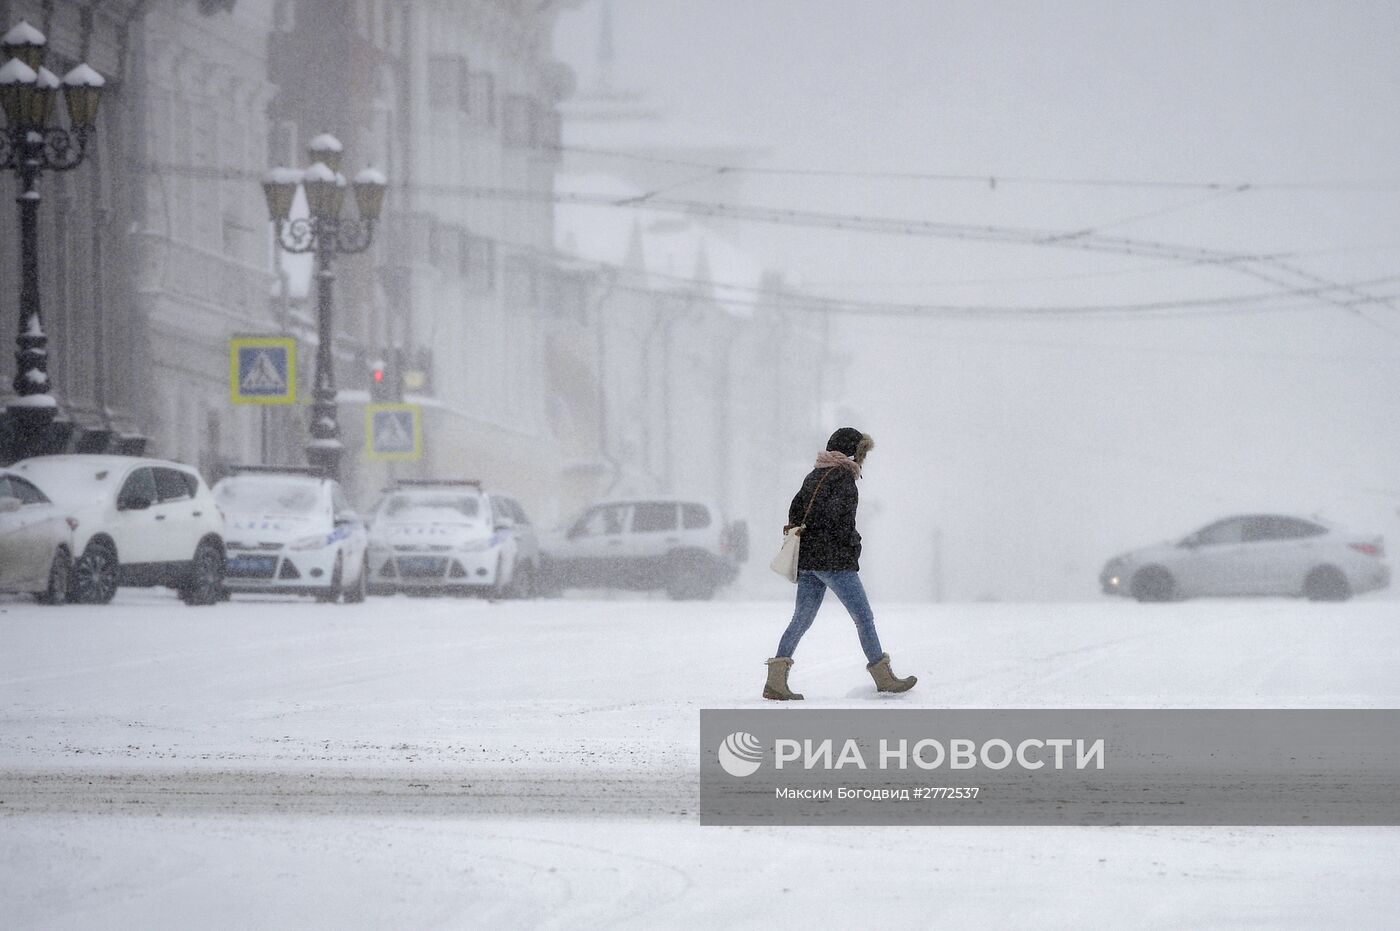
(829, 557)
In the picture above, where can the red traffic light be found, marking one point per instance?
(378, 375)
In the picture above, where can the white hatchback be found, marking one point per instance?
(1253, 554)
(292, 531)
(36, 541)
(139, 522)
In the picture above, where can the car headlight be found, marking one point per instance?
(310, 543)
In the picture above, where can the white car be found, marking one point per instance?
(1253, 554)
(139, 522)
(451, 537)
(291, 531)
(36, 541)
(682, 547)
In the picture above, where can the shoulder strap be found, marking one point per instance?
(813, 500)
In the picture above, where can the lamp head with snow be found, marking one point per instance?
(325, 190)
(280, 188)
(327, 150)
(369, 193)
(28, 89)
(82, 91)
(26, 44)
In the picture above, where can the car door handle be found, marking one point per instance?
(160, 517)
(198, 513)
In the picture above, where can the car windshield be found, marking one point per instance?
(71, 481)
(432, 508)
(264, 495)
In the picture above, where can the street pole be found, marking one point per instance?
(33, 413)
(325, 233)
(325, 448)
(31, 144)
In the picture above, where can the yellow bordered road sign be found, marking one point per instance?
(393, 431)
(262, 369)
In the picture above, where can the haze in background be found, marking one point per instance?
(1015, 454)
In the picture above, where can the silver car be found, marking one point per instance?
(1253, 554)
(36, 541)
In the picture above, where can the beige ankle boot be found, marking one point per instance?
(885, 679)
(777, 687)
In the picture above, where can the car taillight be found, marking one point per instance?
(72, 522)
(1370, 549)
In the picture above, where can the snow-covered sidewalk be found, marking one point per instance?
(443, 763)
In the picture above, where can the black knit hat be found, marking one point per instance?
(845, 441)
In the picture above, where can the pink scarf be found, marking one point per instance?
(828, 458)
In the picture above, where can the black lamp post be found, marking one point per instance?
(29, 146)
(326, 233)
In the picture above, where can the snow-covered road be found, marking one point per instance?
(444, 763)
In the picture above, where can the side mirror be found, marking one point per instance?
(505, 523)
(349, 517)
(10, 505)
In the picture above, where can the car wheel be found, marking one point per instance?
(60, 572)
(356, 594)
(205, 585)
(691, 579)
(522, 583)
(548, 582)
(94, 577)
(1326, 583)
(332, 594)
(1153, 584)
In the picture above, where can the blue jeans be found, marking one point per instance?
(811, 588)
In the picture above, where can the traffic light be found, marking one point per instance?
(381, 389)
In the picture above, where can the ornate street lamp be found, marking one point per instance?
(326, 232)
(30, 145)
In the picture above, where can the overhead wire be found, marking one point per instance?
(1192, 255)
(991, 179)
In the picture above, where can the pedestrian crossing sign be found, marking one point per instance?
(393, 431)
(263, 369)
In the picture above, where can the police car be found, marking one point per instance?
(450, 536)
(291, 531)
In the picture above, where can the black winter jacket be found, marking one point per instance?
(830, 541)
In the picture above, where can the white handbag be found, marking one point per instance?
(785, 563)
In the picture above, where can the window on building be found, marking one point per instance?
(549, 129)
(483, 97)
(520, 281)
(480, 263)
(445, 245)
(444, 81)
(282, 144)
(464, 86)
(517, 120)
(284, 15)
